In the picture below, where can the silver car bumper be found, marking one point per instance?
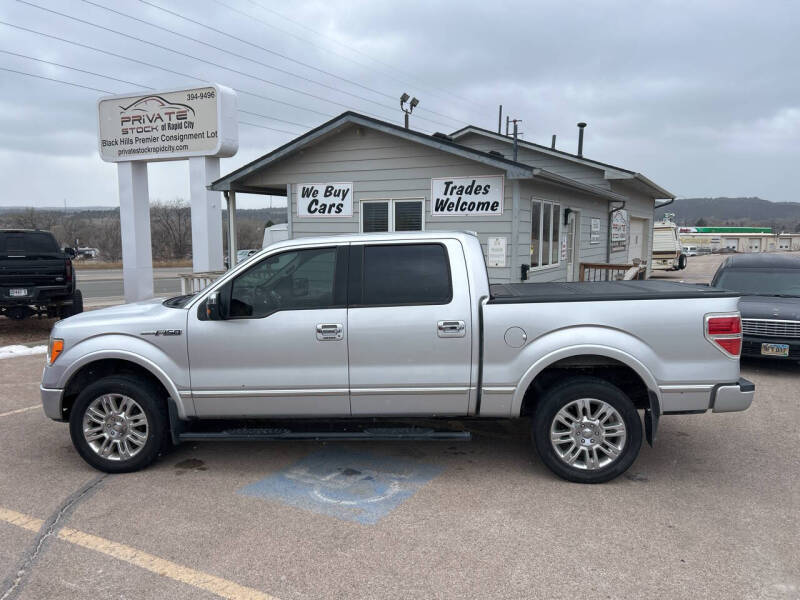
(730, 398)
(51, 402)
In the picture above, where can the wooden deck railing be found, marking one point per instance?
(611, 272)
(195, 282)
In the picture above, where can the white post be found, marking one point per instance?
(231, 229)
(206, 215)
(134, 214)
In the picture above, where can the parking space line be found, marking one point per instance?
(20, 410)
(154, 564)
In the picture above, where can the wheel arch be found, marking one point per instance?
(100, 364)
(611, 364)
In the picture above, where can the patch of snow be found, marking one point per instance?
(20, 350)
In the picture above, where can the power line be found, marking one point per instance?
(141, 85)
(243, 73)
(280, 55)
(94, 89)
(226, 51)
(55, 64)
(165, 69)
(387, 65)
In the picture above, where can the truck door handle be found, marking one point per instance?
(451, 329)
(329, 332)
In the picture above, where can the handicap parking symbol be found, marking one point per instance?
(349, 485)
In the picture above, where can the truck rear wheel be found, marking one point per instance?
(118, 424)
(587, 430)
(682, 261)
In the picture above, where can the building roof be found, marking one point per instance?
(610, 171)
(233, 181)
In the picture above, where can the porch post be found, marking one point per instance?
(232, 246)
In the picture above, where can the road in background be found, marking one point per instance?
(104, 286)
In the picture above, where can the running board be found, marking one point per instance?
(279, 434)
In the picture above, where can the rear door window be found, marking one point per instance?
(406, 274)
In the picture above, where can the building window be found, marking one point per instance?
(392, 215)
(545, 233)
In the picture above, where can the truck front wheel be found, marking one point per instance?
(587, 430)
(118, 424)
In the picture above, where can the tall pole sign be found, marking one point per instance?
(194, 124)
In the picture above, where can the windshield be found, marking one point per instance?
(756, 282)
(28, 243)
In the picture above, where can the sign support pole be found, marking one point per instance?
(134, 214)
(206, 215)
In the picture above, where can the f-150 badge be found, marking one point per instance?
(163, 332)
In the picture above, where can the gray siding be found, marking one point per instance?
(382, 166)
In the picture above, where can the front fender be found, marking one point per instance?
(171, 372)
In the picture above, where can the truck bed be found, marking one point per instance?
(598, 291)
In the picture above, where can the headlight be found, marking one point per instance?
(54, 348)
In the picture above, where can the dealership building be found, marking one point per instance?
(536, 210)
(739, 239)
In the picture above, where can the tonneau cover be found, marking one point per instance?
(592, 291)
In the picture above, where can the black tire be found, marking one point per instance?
(73, 309)
(682, 262)
(152, 404)
(563, 394)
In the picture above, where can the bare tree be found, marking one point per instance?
(171, 226)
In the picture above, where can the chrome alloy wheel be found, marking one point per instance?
(588, 434)
(115, 427)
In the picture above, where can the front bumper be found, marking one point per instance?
(51, 402)
(731, 398)
(751, 346)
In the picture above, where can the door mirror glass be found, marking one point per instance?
(213, 307)
(70, 252)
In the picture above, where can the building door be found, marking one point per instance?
(636, 246)
(573, 244)
(755, 245)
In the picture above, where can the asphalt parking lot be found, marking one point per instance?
(710, 512)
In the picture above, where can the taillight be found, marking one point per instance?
(68, 266)
(725, 332)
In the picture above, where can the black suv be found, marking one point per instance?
(36, 276)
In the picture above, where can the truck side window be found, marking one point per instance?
(294, 280)
(406, 274)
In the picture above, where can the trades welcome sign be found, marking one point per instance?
(462, 196)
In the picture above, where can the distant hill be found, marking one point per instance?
(783, 216)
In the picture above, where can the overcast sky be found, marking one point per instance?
(702, 97)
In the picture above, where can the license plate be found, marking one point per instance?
(17, 292)
(775, 349)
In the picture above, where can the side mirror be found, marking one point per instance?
(213, 310)
(70, 252)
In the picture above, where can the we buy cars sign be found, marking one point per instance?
(463, 196)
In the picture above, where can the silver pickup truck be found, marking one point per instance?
(390, 337)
